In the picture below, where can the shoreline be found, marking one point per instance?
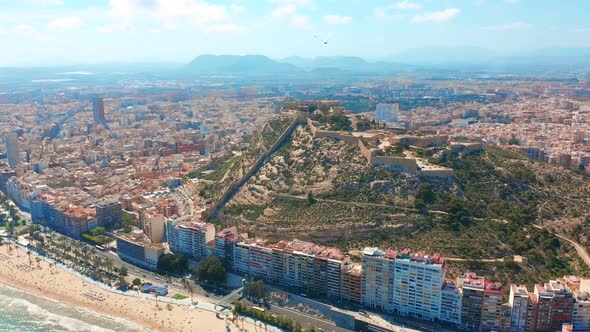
(134, 326)
(58, 285)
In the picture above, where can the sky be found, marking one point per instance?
(49, 32)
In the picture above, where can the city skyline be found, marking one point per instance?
(177, 31)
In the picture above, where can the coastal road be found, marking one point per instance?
(582, 252)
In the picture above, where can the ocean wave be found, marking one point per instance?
(60, 317)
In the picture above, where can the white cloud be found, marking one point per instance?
(286, 10)
(237, 9)
(170, 11)
(301, 22)
(65, 23)
(407, 5)
(335, 19)
(193, 11)
(24, 29)
(437, 17)
(223, 28)
(292, 2)
(508, 26)
(47, 2)
(394, 11)
(124, 27)
(126, 9)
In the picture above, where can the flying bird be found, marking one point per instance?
(324, 41)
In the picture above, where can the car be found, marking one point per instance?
(157, 278)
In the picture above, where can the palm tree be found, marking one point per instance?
(38, 259)
(29, 254)
(157, 299)
(109, 265)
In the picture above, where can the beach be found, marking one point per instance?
(51, 282)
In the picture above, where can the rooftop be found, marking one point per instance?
(471, 280)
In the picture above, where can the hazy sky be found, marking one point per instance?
(40, 32)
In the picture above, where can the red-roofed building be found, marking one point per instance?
(491, 309)
(190, 237)
(472, 287)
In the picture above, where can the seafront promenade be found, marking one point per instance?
(58, 282)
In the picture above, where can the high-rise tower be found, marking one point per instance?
(98, 109)
(11, 142)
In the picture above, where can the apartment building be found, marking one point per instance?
(544, 310)
(580, 288)
(241, 258)
(292, 273)
(519, 304)
(378, 279)
(261, 261)
(278, 264)
(78, 220)
(563, 304)
(154, 227)
(491, 307)
(472, 291)
(108, 213)
(450, 303)
(137, 249)
(417, 284)
(299, 265)
(190, 237)
(532, 312)
(225, 241)
(350, 283)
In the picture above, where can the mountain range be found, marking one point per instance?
(411, 60)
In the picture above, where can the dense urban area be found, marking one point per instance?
(437, 203)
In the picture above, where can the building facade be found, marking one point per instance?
(386, 113)
(98, 109)
(417, 283)
(12, 150)
(108, 213)
(472, 291)
(190, 238)
(519, 304)
(378, 279)
(450, 303)
(137, 249)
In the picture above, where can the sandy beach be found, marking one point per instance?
(54, 283)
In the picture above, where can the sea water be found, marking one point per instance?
(20, 311)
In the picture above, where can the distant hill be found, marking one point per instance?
(239, 65)
(474, 58)
(344, 63)
(442, 55)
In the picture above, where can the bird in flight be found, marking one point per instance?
(323, 40)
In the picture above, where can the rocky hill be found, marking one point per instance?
(498, 205)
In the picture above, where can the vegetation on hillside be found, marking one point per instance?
(494, 208)
(231, 166)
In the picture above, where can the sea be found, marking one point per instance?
(20, 311)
